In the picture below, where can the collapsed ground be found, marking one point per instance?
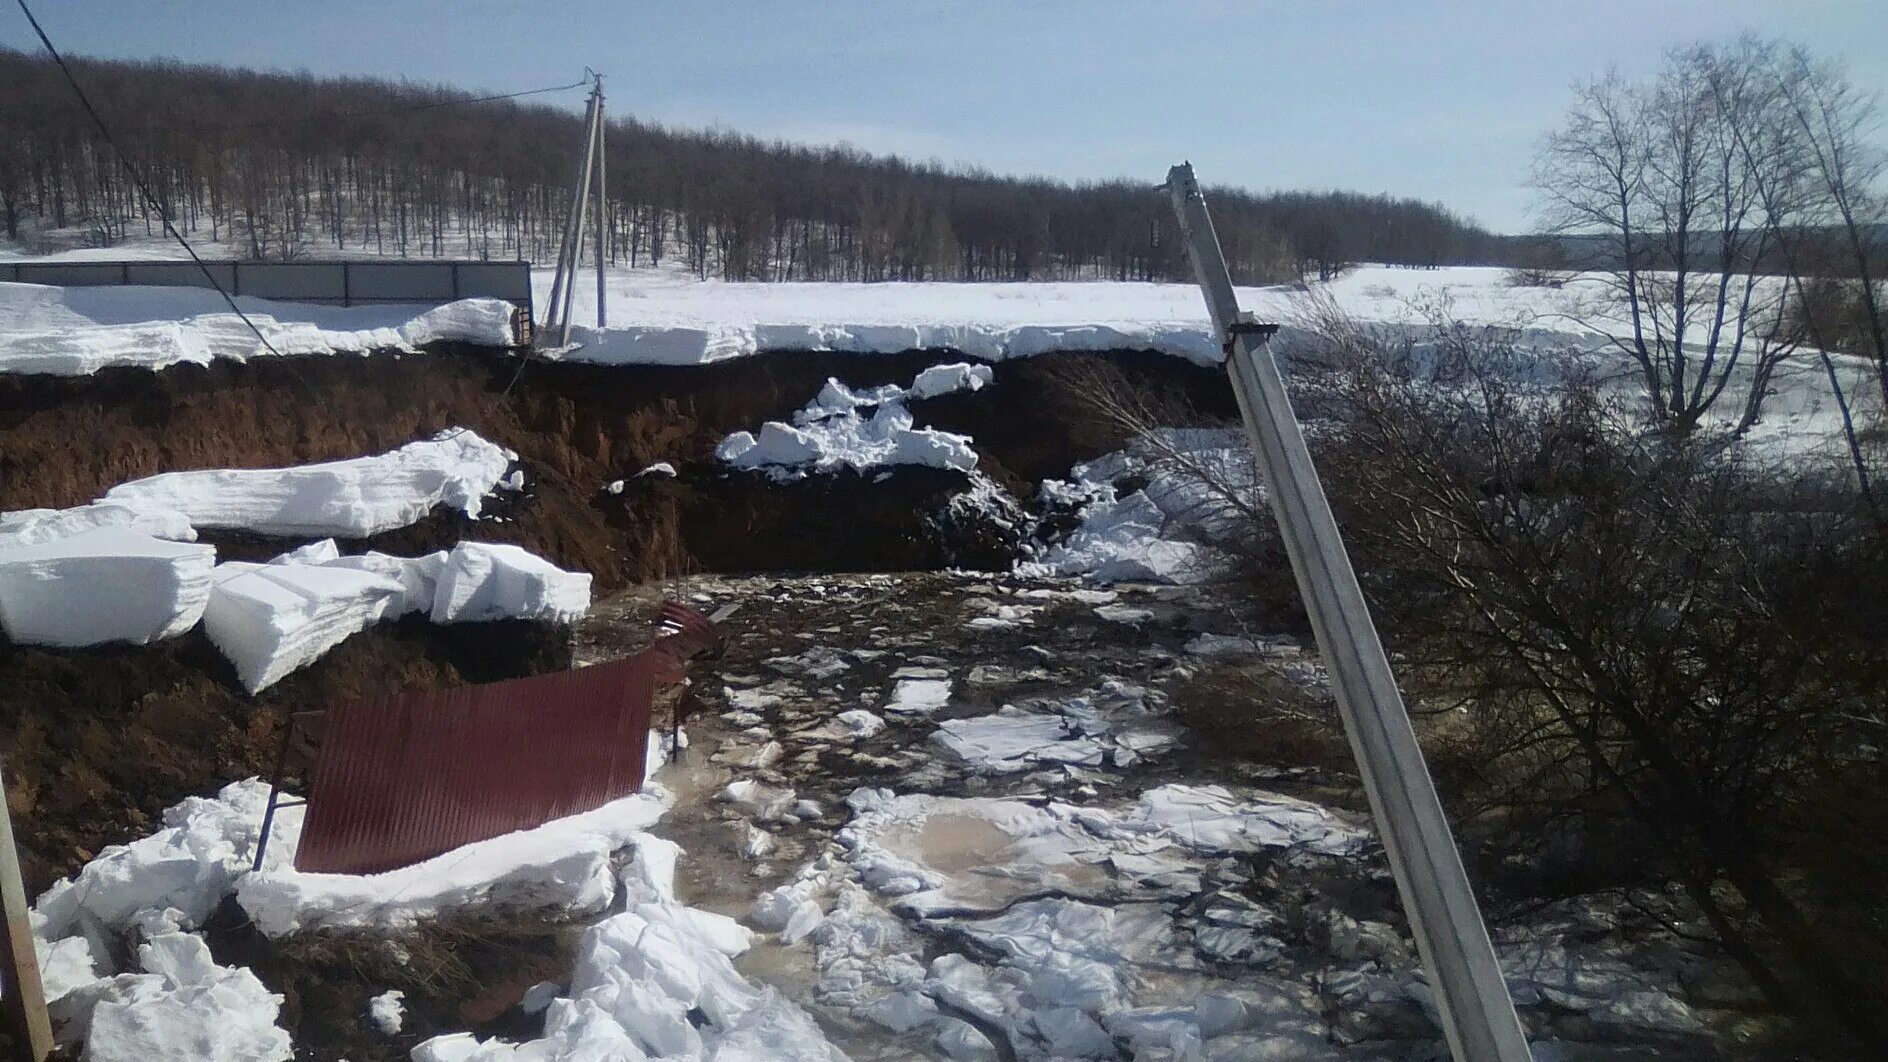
(102, 740)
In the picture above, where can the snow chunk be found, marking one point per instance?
(270, 620)
(387, 1012)
(354, 498)
(831, 432)
(184, 1008)
(947, 379)
(563, 863)
(484, 581)
(417, 576)
(1119, 540)
(30, 527)
(107, 584)
(186, 867)
(860, 723)
(480, 322)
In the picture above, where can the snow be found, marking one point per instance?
(30, 527)
(273, 619)
(1120, 540)
(564, 863)
(387, 1012)
(353, 498)
(107, 584)
(831, 431)
(79, 330)
(1015, 740)
(183, 1008)
(484, 581)
(919, 696)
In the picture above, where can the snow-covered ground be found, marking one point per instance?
(665, 316)
(79, 330)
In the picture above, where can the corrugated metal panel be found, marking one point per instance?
(405, 778)
(345, 281)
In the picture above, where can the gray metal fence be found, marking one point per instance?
(344, 283)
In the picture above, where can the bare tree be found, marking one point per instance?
(1661, 186)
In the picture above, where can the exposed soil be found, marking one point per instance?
(99, 742)
(64, 441)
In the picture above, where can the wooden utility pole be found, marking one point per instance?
(1477, 1013)
(22, 996)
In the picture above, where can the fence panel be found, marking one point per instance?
(408, 777)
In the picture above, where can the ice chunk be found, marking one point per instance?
(919, 696)
(272, 619)
(349, 499)
(108, 584)
(486, 581)
(1013, 740)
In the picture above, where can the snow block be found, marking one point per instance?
(350, 499)
(272, 619)
(108, 584)
(30, 527)
(486, 581)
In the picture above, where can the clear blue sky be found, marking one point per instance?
(1443, 99)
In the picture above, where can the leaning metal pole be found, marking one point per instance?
(1477, 1014)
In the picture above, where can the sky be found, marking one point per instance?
(1443, 100)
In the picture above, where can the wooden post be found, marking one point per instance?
(1477, 1014)
(22, 997)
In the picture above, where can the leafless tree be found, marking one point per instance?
(1664, 188)
(1646, 632)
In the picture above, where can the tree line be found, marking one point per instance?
(284, 165)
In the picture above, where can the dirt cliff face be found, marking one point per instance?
(98, 742)
(575, 427)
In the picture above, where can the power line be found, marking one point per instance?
(138, 179)
(435, 105)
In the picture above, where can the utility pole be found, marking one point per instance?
(1477, 1013)
(570, 248)
(603, 217)
(22, 996)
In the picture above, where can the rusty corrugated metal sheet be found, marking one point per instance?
(408, 777)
